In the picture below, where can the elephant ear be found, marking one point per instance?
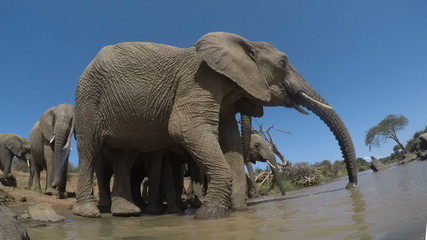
(46, 124)
(13, 143)
(233, 56)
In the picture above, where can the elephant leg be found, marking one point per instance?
(88, 154)
(202, 143)
(137, 177)
(104, 172)
(62, 185)
(35, 177)
(30, 179)
(50, 169)
(169, 182)
(252, 177)
(231, 145)
(7, 163)
(276, 175)
(121, 200)
(153, 164)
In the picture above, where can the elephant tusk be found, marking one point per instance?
(51, 140)
(322, 105)
(299, 109)
(28, 163)
(271, 165)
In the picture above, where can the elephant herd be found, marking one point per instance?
(48, 148)
(150, 110)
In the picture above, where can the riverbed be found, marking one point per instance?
(391, 204)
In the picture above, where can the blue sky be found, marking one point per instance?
(367, 58)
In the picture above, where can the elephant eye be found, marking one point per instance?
(284, 63)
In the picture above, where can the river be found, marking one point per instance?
(391, 204)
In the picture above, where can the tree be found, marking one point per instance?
(386, 129)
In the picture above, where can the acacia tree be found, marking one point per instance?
(385, 130)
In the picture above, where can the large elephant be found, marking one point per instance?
(13, 145)
(50, 140)
(147, 96)
(259, 150)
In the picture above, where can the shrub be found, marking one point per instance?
(303, 174)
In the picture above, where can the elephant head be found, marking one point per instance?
(57, 127)
(269, 79)
(260, 150)
(19, 146)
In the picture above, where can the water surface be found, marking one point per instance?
(387, 205)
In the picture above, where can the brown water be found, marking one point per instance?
(387, 205)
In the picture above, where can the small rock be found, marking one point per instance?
(23, 199)
(44, 212)
(25, 215)
(376, 165)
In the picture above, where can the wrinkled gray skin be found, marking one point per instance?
(13, 145)
(50, 140)
(259, 150)
(10, 228)
(147, 96)
(160, 167)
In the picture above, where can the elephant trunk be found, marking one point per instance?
(306, 96)
(246, 128)
(61, 152)
(276, 172)
(313, 102)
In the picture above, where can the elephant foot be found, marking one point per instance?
(86, 209)
(351, 185)
(124, 208)
(62, 195)
(208, 212)
(154, 208)
(51, 191)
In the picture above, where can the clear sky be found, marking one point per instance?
(367, 58)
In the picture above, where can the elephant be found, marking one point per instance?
(13, 145)
(147, 96)
(50, 140)
(162, 169)
(260, 150)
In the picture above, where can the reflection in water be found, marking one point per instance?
(387, 205)
(359, 208)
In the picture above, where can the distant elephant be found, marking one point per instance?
(147, 96)
(13, 145)
(260, 151)
(50, 140)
